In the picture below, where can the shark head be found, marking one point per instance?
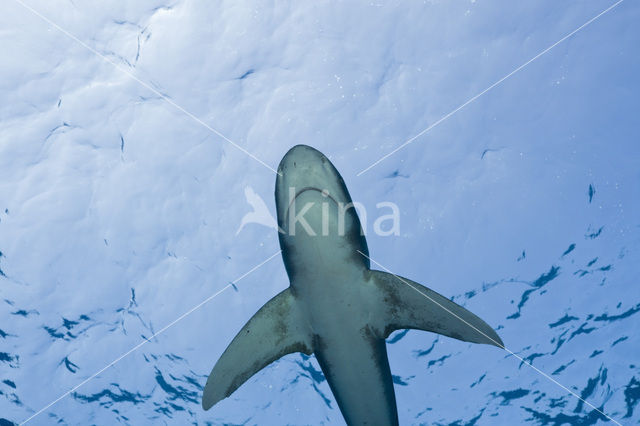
(315, 211)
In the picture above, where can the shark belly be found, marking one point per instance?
(356, 367)
(351, 353)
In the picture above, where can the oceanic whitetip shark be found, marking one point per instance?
(336, 307)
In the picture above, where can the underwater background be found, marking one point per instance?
(121, 203)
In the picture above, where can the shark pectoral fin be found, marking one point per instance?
(274, 331)
(411, 305)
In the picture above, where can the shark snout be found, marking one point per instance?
(301, 157)
(308, 180)
(304, 168)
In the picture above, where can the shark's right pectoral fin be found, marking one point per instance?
(411, 305)
(273, 332)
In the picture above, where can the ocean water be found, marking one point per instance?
(122, 194)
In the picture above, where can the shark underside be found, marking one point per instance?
(336, 307)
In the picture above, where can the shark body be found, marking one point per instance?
(336, 306)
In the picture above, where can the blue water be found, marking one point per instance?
(119, 213)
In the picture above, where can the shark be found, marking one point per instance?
(336, 307)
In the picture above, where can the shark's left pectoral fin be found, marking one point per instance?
(411, 305)
(273, 332)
